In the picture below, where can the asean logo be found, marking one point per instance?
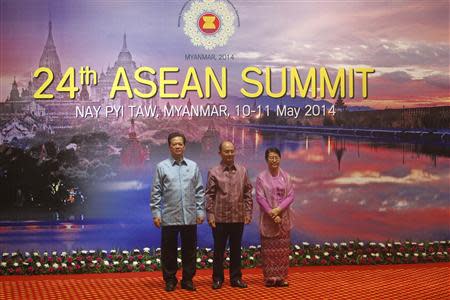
(209, 23)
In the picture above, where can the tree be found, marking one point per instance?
(339, 105)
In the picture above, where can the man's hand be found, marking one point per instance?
(277, 219)
(247, 220)
(199, 220)
(212, 221)
(157, 222)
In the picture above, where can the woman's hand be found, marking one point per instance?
(275, 212)
(277, 219)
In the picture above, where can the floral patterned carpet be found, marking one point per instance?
(416, 281)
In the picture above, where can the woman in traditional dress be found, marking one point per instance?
(275, 194)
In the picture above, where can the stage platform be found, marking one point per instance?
(419, 281)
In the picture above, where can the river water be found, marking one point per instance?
(345, 189)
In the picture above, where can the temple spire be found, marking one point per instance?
(125, 58)
(50, 43)
(124, 46)
(49, 57)
(132, 133)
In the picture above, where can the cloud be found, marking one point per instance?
(296, 179)
(372, 177)
(440, 81)
(304, 155)
(397, 53)
(399, 76)
(311, 157)
(249, 55)
(401, 204)
(116, 186)
(281, 60)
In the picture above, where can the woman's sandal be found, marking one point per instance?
(271, 283)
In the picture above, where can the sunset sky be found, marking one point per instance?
(407, 42)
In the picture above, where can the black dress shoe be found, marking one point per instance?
(217, 285)
(282, 283)
(188, 285)
(170, 286)
(239, 283)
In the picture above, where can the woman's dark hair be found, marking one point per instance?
(174, 135)
(273, 150)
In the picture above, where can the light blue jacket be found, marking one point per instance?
(177, 195)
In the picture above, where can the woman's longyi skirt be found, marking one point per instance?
(275, 256)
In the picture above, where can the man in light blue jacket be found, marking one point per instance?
(177, 205)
